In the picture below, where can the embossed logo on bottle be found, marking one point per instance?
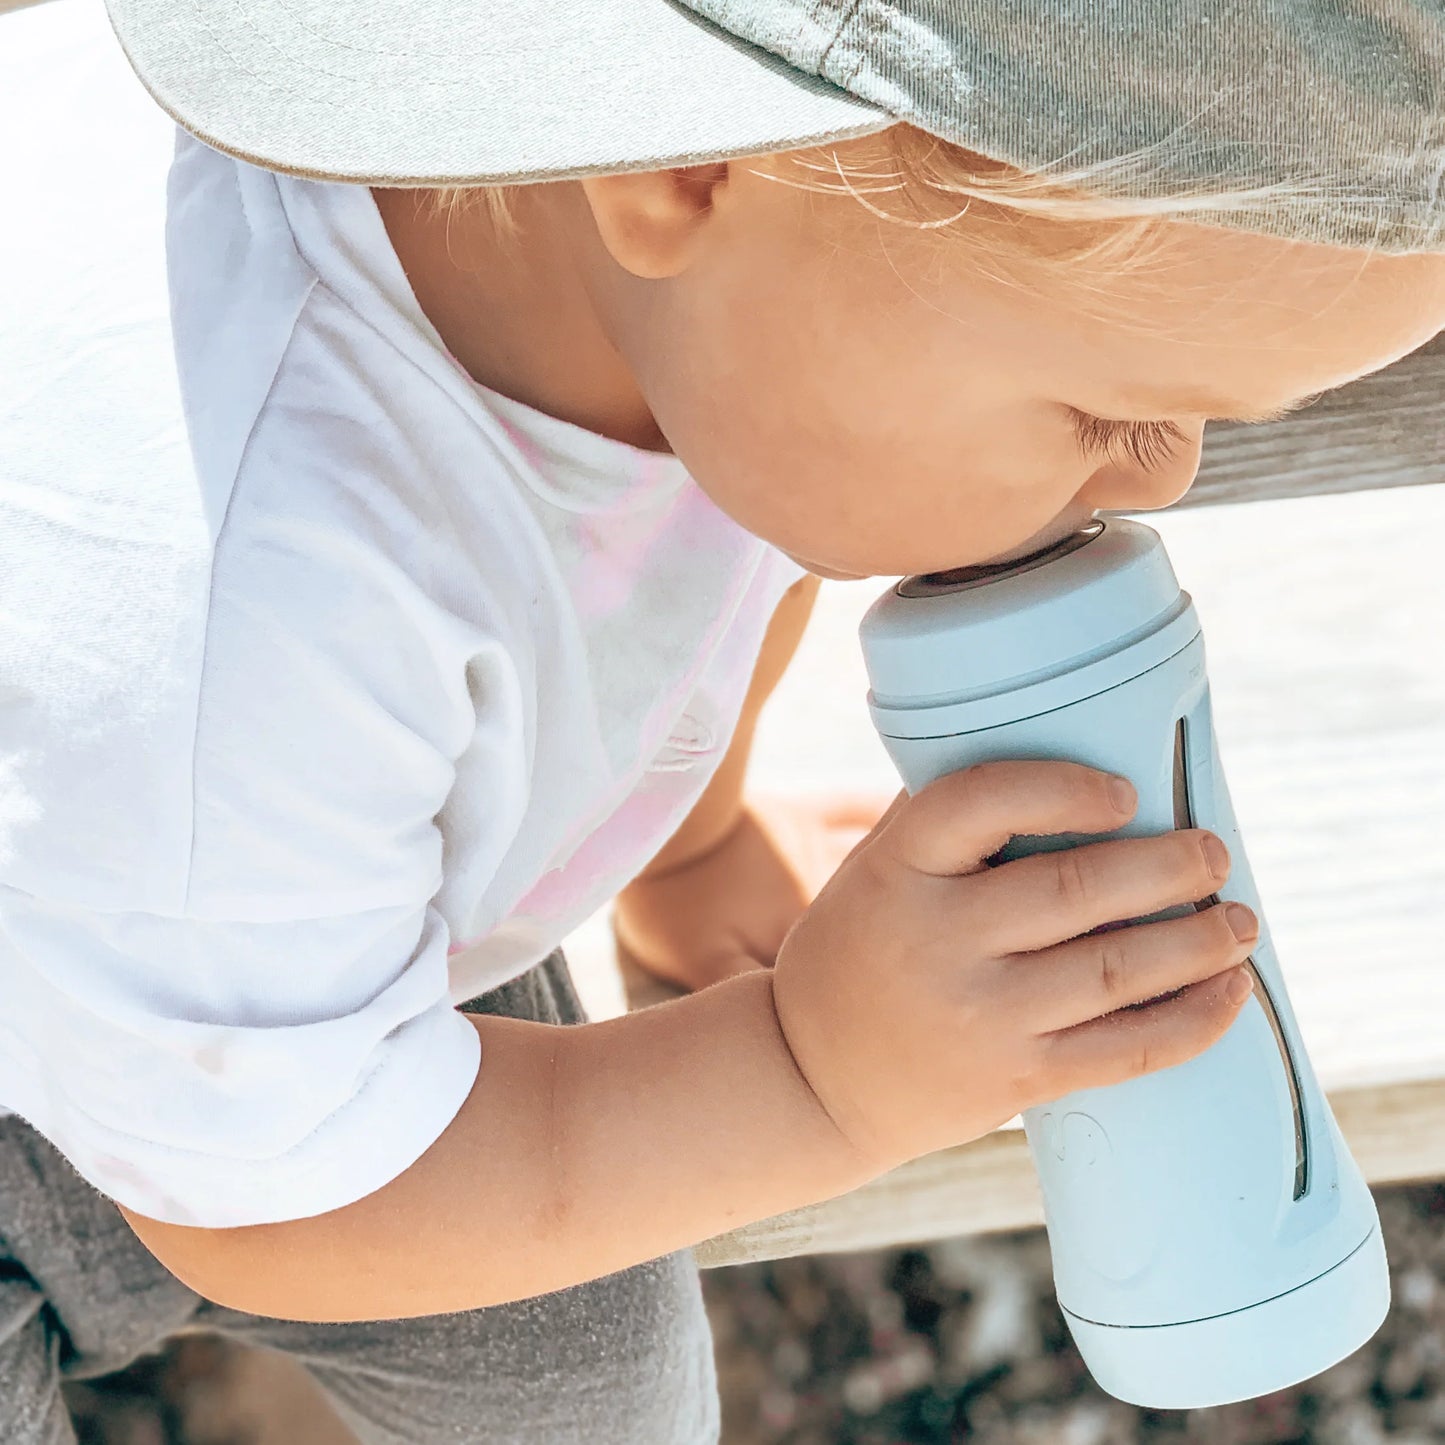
(1095, 1217)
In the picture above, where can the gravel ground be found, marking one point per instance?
(960, 1340)
(964, 1340)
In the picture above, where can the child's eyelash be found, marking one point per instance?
(1149, 443)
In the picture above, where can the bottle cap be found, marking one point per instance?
(975, 633)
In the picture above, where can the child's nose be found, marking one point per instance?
(1125, 486)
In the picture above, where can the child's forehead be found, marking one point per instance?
(1220, 324)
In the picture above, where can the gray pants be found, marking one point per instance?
(622, 1360)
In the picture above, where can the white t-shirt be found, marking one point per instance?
(334, 688)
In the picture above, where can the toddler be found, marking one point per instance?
(423, 428)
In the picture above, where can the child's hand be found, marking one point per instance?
(928, 998)
(729, 910)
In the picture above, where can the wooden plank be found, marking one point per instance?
(1396, 1133)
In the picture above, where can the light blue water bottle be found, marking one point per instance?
(1212, 1237)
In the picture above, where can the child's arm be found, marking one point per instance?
(719, 896)
(683, 1124)
(925, 998)
(580, 1150)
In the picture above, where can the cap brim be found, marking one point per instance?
(437, 92)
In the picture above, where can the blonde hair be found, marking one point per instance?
(1097, 216)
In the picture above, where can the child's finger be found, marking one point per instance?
(952, 825)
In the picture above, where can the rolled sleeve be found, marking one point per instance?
(217, 1074)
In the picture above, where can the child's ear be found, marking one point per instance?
(651, 221)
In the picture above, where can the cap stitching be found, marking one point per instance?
(844, 21)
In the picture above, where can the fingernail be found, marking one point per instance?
(1216, 855)
(1241, 922)
(1122, 793)
(1240, 986)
